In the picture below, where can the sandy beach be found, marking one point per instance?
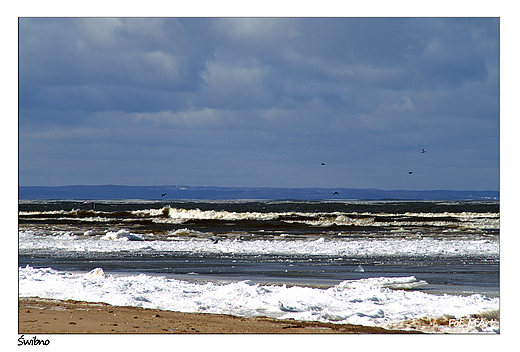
(44, 316)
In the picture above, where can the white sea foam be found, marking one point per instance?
(460, 220)
(181, 215)
(123, 240)
(467, 220)
(369, 302)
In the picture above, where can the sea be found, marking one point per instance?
(375, 263)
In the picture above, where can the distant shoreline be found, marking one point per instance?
(176, 192)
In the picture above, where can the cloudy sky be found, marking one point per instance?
(260, 102)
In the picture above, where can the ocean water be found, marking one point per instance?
(376, 263)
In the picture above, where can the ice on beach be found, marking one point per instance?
(95, 273)
(122, 235)
(396, 283)
(371, 302)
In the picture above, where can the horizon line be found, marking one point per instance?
(266, 187)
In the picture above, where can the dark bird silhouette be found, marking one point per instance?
(410, 172)
(162, 195)
(335, 193)
(322, 163)
(423, 151)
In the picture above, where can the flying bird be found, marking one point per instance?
(423, 151)
(162, 195)
(410, 172)
(322, 163)
(335, 193)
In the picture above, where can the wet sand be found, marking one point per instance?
(44, 316)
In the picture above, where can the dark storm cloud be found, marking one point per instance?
(259, 101)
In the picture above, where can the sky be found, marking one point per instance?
(260, 102)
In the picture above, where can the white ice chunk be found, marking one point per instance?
(96, 273)
(360, 269)
(122, 235)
